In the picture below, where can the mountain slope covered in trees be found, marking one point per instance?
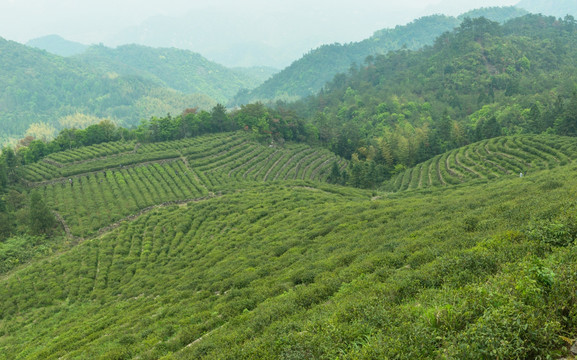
(309, 74)
(480, 81)
(182, 70)
(43, 93)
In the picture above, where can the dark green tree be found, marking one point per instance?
(567, 123)
(42, 221)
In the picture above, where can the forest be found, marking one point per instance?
(44, 93)
(421, 205)
(307, 75)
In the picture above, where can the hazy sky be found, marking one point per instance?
(93, 21)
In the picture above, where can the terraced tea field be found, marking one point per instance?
(488, 159)
(93, 187)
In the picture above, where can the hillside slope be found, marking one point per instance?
(95, 186)
(305, 270)
(310, 73)
(480, 81)
(487, 160)
(41, 88)
(181, 70)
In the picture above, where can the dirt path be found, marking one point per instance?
(189, 168)
(290, 160)
(141, 212)
(317, 169)
(439, 173)
(452, 171)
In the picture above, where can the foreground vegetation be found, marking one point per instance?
(304, 270)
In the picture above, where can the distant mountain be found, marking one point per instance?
(182, 70)
(258, 73)
(203, 32)
(57, 45)
(558, 8)
(245, 34)
(310, 73)
(39, 88)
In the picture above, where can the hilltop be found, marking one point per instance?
(307, 75)
(45, 93)
(480, 81)
(57, 45)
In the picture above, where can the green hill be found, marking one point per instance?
(234, 245)
(487, 160)
(95, 186)
(182, 70)
(482, 80)
(310, 73)
(292, 269)
(40, 88)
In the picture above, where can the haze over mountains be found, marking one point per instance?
(183, 72)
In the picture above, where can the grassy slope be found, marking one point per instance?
(305, 270)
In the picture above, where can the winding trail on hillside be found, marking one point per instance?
(141, 212)
(189, 168)
(316, 170)
(451, 171)
(261, 163)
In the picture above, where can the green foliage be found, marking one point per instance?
(310, 73)
(302, 269)
(41, 88)
(498, 157)
(481, 81)
(92, 187)
(41, 219)
(182, 70)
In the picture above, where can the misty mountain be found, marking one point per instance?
(272, 35)
(39, 88)
(558, 8)
(310, 73)
(57, 45)
(182, 70)
(220, 37)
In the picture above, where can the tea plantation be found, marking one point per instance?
(221, 248)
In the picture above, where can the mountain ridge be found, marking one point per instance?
(307, 75)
